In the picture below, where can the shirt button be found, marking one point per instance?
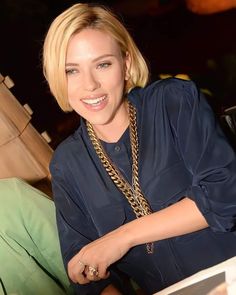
(117, 148)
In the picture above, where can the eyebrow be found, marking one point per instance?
(94, 60)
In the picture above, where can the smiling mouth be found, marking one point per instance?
(94, 101)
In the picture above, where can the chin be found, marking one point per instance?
(101, 120)
(96, 121)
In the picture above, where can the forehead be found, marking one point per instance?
(92, 42)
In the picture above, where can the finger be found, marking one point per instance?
(79, 275)
(103, 272)
(73, 268)
(92, 273)
(82, 279)
(76, 271)
(104, 275)
(93, 278)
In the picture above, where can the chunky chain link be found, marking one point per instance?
(135, 152)
(133, 192)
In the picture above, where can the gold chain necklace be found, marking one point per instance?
(133, 192)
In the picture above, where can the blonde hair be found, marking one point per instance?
(72, 21)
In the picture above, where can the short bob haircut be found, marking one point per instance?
(71, 22)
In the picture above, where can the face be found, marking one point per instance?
(96, 73)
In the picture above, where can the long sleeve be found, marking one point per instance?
(75, 230)
(206, 154)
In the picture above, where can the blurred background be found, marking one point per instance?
(196, 38)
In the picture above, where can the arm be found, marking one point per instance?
(185, 218)
(207, 156)
(178, 219)
(75, 230)
(211, 197)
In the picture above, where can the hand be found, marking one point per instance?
(98, 256)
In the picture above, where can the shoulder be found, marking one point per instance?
(14, 188)
(172, 90)
(169, 94)
(9, 185)
(169, 91)
(63, 154)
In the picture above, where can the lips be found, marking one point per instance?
(94, 101)
(95, 104)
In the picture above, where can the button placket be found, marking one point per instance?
(117, 148)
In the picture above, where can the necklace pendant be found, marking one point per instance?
(150, 248)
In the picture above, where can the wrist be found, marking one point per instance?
(127, 235)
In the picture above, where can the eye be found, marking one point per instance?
(71, 71)
(104, 65)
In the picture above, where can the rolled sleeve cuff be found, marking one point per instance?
(220, 217)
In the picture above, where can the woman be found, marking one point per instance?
(146, 185)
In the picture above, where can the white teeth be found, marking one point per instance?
(95, 101)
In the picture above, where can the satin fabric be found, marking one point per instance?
(183, 152)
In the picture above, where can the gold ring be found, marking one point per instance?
(93, 271)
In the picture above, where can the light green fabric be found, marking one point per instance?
(30, 259)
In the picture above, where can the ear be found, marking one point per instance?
(127, 61)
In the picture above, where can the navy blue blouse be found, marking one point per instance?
(182, 152)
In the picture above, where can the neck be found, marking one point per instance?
(113, 131)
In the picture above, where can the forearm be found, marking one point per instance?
(178, 219)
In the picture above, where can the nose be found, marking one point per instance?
(91, 82)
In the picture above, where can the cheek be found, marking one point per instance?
(75, 104)
(117, 79)
(73, 89)
(74, 101)
(73, 95)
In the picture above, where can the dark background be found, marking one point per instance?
(172, 39)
